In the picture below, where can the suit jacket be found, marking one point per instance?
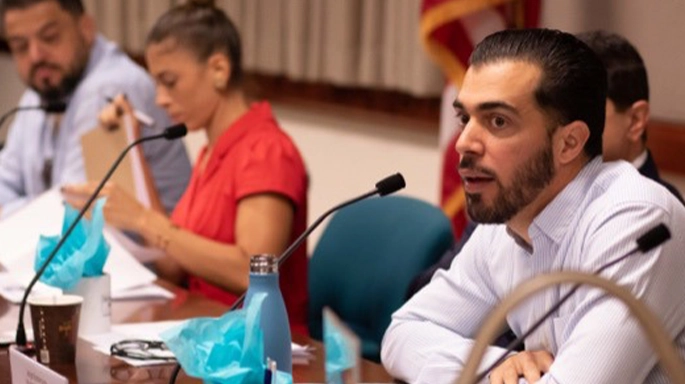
(648, 169)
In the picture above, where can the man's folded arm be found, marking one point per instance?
(600, 341)
(429, 338)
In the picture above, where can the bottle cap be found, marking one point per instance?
(263, 264)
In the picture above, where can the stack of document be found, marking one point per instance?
(19, 236)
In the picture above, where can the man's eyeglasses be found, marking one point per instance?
(142, 350)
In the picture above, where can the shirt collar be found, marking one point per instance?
(556, 218)
(248, 122)
(639, 161)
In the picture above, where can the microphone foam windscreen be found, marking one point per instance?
(55, 107)
(653, 238)
(175, 131)
(390, 184)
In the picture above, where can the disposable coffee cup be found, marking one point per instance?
(96, 313)
(55, 322)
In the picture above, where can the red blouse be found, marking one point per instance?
(253, 156)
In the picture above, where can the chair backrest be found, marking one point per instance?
(365, 260)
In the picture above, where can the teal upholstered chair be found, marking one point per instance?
(366, 258)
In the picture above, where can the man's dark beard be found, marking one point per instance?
(61, 91)
(528, 182)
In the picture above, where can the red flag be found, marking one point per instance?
(449, 31)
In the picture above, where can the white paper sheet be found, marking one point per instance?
(150, 291)
(19, 236)
(9, 337)
(151, 331)
(13, 291)
(141, 253)
(20, 231)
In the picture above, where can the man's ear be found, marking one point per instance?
(570, 140)
(86, 25)
(220, 69)
(639, 116)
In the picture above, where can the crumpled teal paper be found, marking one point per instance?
(341, 354)
(224, 350)
(83, 254)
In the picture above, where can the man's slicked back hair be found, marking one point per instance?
(573, 85)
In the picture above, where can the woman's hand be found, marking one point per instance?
(111, 117)
(121, 210)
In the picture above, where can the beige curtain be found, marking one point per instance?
(356, 43)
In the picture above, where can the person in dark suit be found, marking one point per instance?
(627, 111)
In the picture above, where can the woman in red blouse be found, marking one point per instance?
(248, 191)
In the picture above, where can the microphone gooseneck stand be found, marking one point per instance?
(50, 107)
(651, 239)
(170, 133)
(384, 187)
(649, 323)
(388, 185)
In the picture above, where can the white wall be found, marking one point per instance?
(347, 153)
(654, 27)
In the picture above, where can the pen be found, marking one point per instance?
(140, 116)
(274, 373)
(270, 372)
(267, 372)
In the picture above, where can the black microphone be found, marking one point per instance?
(54, 107)
(170, 133)
(645, 243)
(48, 107)
(388, 185)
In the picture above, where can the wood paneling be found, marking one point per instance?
(281, 89)
(666, 140)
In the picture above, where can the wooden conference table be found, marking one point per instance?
(94, 367)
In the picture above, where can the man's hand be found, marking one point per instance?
(529, 364)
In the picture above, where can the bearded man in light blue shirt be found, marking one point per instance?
(60, 57)
(532, 109)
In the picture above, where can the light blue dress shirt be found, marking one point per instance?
(31, 139)
(593, 339)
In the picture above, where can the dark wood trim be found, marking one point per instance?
(283, 90)
(666, 140)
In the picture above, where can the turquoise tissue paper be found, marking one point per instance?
(224, 350)
(83, 254)
(341, 349)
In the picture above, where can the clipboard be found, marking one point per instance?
(100, 148)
